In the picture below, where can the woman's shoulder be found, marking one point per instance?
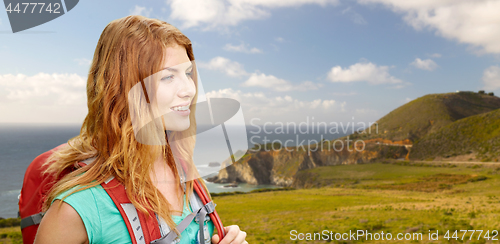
(56, 223)
(75, 195)
(84, 202)
(92, 202)
(98, 212)
(77, 192)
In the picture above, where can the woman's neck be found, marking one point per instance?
(163, 178)
(162, 173)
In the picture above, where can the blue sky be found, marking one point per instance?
(285, 61)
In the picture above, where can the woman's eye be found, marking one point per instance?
(190, 74)
(167, 78)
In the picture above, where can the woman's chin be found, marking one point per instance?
(180, 127)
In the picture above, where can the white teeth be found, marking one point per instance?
(181, 108)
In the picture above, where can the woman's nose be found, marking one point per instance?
(187, 88)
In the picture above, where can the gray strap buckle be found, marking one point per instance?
(32, 220)
(210, 207)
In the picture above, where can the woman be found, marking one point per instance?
(130, 50)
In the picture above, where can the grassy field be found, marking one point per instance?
(392, 197)
(10, 235)
(375, 198)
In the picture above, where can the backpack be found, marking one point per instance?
(142, 228)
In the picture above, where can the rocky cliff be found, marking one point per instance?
(278, 167)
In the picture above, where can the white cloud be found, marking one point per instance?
(277, 84)
(354, 16)
(329, 103)
(427, 64)
(368, 72)
(256, 79)
(83, 61)
(51, 88)
(138, 10)
(279, 39)
(491, 78)
(48, 98)
(230, 68)
(473, 22)
(213, 13)
(241, 48)
(278, 108)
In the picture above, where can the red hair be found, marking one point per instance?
(129, 50)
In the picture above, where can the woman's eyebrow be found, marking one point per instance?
(175, 70)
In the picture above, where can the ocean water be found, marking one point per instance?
(20, 144)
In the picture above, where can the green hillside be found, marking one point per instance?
(479, 134)
(430, 113)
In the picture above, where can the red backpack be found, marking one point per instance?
(142, 228)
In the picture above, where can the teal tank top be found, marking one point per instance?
(104, 223)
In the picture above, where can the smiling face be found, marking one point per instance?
(176, 89)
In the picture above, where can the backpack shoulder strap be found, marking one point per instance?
(142, 228)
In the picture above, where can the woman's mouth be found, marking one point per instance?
(181, 110)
